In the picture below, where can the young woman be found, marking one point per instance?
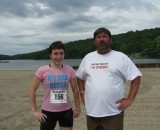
(55, 79)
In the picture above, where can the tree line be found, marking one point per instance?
(136, 44)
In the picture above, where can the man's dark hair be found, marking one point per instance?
(102, 30)
(56, 45)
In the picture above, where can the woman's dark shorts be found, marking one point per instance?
(64, 118)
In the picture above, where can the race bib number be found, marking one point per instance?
(58, 96)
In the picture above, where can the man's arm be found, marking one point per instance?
(126, 102)
(134, 88)
(81, 86)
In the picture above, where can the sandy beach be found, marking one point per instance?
(15, 109)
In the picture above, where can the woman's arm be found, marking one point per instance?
(32, 94)
(74, 87)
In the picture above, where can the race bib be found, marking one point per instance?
(58, 96)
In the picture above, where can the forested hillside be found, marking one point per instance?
(138, 44)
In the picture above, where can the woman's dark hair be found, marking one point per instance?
(56, 45)
(102, 30)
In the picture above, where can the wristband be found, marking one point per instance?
(77, 109)
(82, 93)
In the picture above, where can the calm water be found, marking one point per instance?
(32, 64)
(35, 64)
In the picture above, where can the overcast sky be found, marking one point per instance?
(32, 25)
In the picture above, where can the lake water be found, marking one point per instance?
(32, 64)
(35, 64)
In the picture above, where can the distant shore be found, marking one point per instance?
(4, 61)
(15, 111)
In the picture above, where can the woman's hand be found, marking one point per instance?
(40, 116)
(76, 112)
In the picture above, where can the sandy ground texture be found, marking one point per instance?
(15, 109)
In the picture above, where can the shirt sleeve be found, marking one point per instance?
(39, 73)
(80, 73)
(131, 70)
(73, 73)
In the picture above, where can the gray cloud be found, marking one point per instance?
(31, 25)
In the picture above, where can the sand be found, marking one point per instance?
(15, 109)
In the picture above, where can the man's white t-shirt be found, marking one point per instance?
(105, 80)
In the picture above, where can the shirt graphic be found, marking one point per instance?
(99, 65)
(58, 81)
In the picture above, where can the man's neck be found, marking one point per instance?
(102, 52)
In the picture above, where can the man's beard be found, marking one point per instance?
(103, 47)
